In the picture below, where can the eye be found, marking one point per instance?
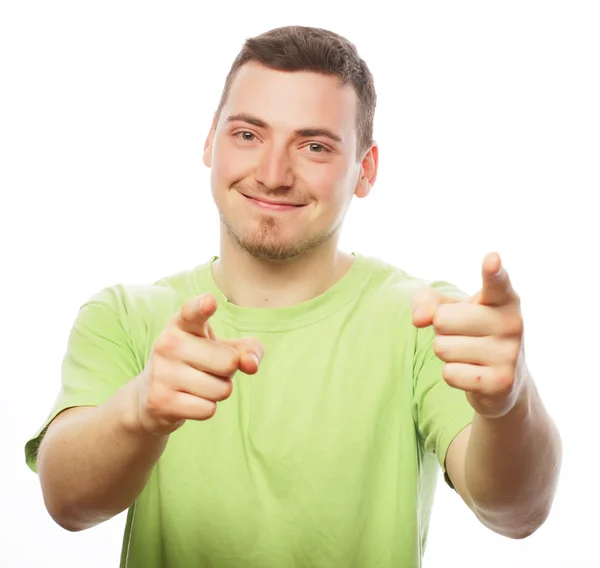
(245, 135)
(317, 148)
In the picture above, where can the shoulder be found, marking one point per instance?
(387, 298)
(132, 304)
(126, 301)
(389, 282)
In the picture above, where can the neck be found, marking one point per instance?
(254, 283)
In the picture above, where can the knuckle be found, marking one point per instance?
(450, 375)
(162, 372)
(503, 381)
(438, 347)
(156, 401)
(514, 352)
(507, 352)
(230, 368)
(441, 316)
(223, 391)
(438, 319)
(227, 389)
(168, 344)
(447, 372)
(209, 410)
(231, 363)
(513, 325)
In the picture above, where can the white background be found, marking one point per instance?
(489, 130)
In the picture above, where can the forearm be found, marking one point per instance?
(512, 465)
(95, 462)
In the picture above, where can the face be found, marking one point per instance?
(283, 159)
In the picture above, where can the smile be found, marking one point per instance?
(272, 205)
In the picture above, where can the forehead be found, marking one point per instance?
(292, 100)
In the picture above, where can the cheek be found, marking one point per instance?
(221, 167)
(327, 183)
(229, 166)
(337, 192)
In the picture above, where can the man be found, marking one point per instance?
(362, 380)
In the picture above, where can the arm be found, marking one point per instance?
(506, 464)
(506, 469)
(94, 461)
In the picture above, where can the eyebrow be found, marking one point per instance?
(303, 132)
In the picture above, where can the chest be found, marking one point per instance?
(315, 403)
(321, 438)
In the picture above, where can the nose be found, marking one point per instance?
(275, 168)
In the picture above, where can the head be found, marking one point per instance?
(294, 125)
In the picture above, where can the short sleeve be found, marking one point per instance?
(439, 410)
(99, 359)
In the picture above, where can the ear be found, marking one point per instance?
(368, 172)
(208, 144)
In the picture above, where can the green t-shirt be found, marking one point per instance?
(327, 457)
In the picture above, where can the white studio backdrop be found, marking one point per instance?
(488, 122)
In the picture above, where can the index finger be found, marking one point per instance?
(194, 315)
(497, 289)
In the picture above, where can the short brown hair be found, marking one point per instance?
(301, 48)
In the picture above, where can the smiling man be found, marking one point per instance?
(286, 403)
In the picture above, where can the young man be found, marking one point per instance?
(362, 380)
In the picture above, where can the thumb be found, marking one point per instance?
(251, 352)
(425, 302)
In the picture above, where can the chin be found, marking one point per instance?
(271, 250)
(269, 242)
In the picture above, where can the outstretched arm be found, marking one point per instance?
(506, 464)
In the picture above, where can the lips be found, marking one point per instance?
(283, 203)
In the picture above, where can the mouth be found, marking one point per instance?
(273, 205)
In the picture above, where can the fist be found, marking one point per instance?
(189, 370)
(480, 339)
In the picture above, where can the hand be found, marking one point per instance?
(480, 339)
(190, 370)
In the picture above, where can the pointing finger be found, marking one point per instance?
(194, 315)
(497, 289)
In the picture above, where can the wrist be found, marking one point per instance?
(130, 409)
(519, 413)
